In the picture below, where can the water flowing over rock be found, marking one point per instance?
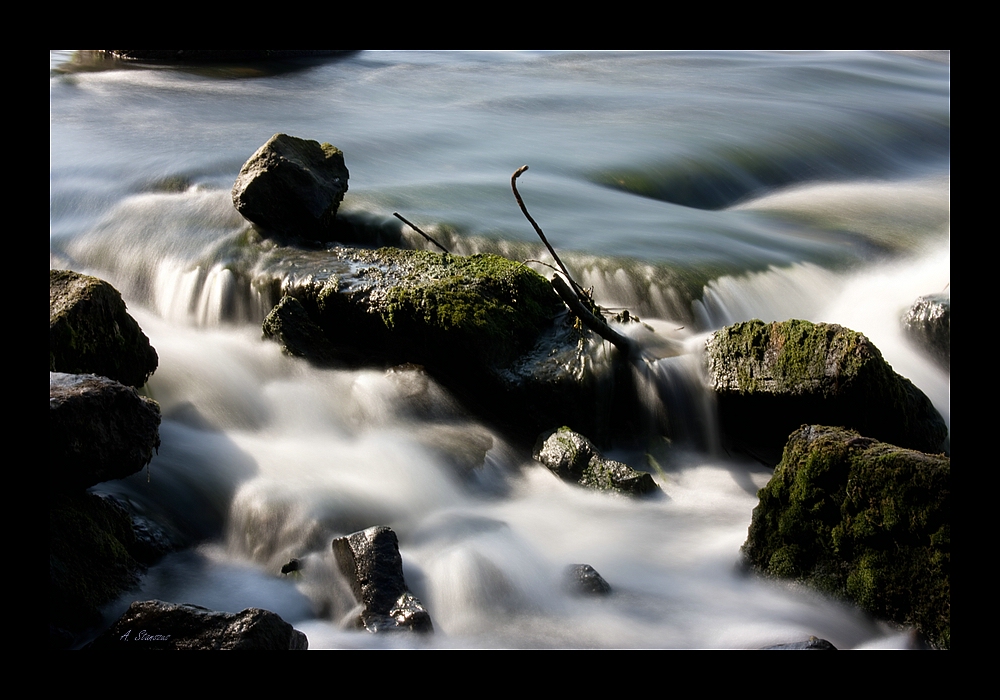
(573, 458)
(292, 187)
(98, 430)
(91, 332)
(928, 324)
(371, 563)
(153, 624)
(487, 328)
(861, 519)
(771, 378)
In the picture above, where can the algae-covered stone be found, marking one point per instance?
(770, 378)
(573, 458)
(861, 519)
(90, 331)
(292, 186)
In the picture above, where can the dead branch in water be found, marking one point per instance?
(582, 296)
(625, 345)
(396, 214)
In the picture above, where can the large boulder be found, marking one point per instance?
(573, 458)
(90, 331)
(373, 568)
(487, 328)
(152, 624)
(292, 187)
(771, 378)
(860, 519)
(928, 325)
(98, 430)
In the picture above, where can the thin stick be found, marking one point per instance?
(590, 320)
(538, 230)
(396, 214)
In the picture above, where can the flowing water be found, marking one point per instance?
(694, 189)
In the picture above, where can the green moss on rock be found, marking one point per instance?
(770, 378)
(860, 519)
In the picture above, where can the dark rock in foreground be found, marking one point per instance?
(860, 519)
(584, 579)
(371, 563)
(153, 624)
(92, 560)
(292, 187)
(91, 332)
(771, 378)
(928, 325)
(573, 458)
(811, 644)
(98, 430)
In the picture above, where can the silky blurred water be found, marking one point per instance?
(696, 189)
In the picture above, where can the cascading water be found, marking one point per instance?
(265, 458)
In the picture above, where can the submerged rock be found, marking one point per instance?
(928, 325)
(573, 458)
(90, 331)
(812, 644)
(371, 563)
(98, 430)
(292, 187)
(860, 519)
(153, 624)
(770, 378)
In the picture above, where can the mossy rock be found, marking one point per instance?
(90, 559)
(770, 378)
(861, 519)
(574, 458)
(90, 331)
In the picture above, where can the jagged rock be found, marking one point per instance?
(153, 624)
(98, 430)
(584, 579)
(292, 187)
(860, 519)
(928, 325)
(573, 458)
(771, 378)
(91, 332)
(371, 563)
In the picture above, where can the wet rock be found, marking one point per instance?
(98, 430)
(771, 378)
(486, 328)
(584, 579)
(928, 325)
(811, 644)
(573, 458)
(154, 624)
(371, 563)
(90, 331)
(92, 561)
(861, 519)
(292, 187)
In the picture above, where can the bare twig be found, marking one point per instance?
(592, 322)
(396, 214)
(581, 295)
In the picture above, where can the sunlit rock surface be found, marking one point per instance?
(860, 519)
